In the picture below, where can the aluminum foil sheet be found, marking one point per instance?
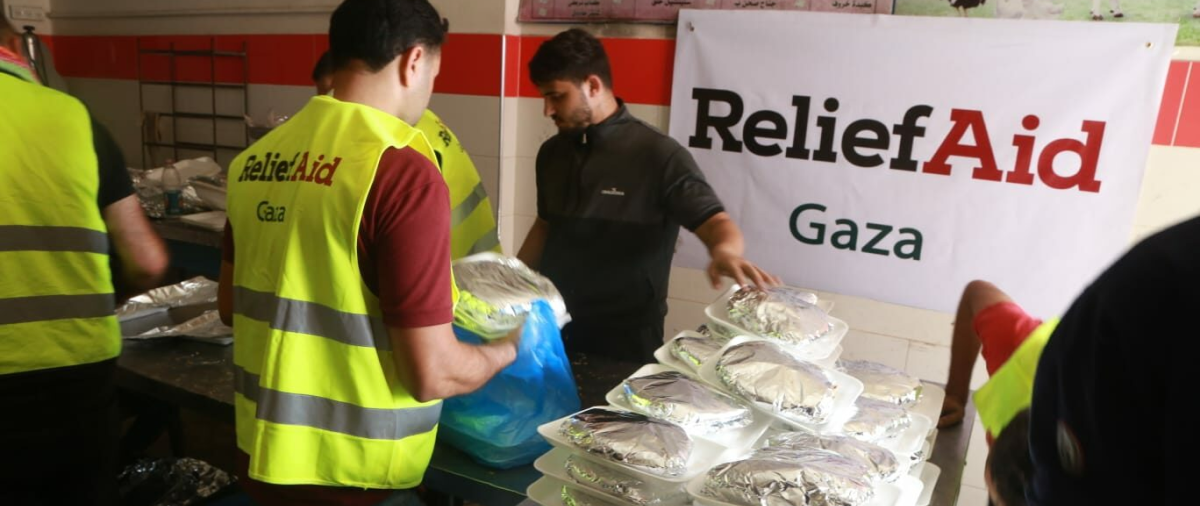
(876, 421)
(673, 397)
(880, 462)
(788, 477)
(198, 290)
(495, 293)
(630, 438)
(782, 313)
(882, 382)
(208, 326)
(575, 496)
(694, 351)
(171, 482)
(762, 372)
(621, 484)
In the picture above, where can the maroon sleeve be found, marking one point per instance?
(227, 244)
(404, 242)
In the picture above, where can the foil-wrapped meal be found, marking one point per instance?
(880, 462)
(198, 290)
(694, 351)
(207, 326)
(789, 477)
(782, 313)
(876, 421)
(622, 484)
(882, 382)
(763, 372)
(673, 397)
(632, 439)
(496, 292)
(575, 496)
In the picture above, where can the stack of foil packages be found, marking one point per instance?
(742, 371)
(496, 292)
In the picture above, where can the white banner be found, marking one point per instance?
(898, 158)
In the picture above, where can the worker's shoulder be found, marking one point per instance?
(47, 99)
(405, 168)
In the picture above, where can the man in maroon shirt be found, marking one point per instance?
(404, 234)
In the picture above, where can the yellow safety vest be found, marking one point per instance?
(56, 292)
(318, 398)
(1010, 390)
(472, 225)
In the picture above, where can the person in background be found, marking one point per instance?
(472, 224)
(1011, 341)
(337, 278)
(612, 193)
(1109, 422)
(66, 205)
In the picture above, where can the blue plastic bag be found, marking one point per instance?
(497, 424)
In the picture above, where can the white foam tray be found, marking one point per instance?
(738, 439)
(553, 464)
(849, 388)
(821, 351)
(705, 453)
(664, 356)
(905, 492)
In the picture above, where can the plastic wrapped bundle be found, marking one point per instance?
(621, 484)
(575, 496)
(883, 383)
(496, 292)
(880, 462)
(694, 351)
(673, 397)
(630, 438)
(762, 372)
(790, 477)
(782, 313)
(876, 421)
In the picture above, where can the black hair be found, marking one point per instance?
(323, 67)
(376, 31)
(1009, 462)
(572, 55)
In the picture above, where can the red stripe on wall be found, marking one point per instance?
(1187, 133)
(641, 68)
(1168, 110)
(471, 64)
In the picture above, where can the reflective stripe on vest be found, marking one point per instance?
(1010, 390)
(472, 224)
(56, 294)
(318, 400)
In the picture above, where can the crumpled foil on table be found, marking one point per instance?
(694, 351)
(881, 463)
(790, 477)
(198, 290)
(673, 397)
(882, 382)
(621, 484)
(763, 372)
(632, 439)
(782, 313)
(876, 421)
(575, 496)
(150, 196)
(496, 292)
(207, 326)
(171, 482)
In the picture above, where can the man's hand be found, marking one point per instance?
(952, 412)
(741, 270)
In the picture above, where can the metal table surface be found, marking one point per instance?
(199, 376)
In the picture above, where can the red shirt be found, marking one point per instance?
(404, 259)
